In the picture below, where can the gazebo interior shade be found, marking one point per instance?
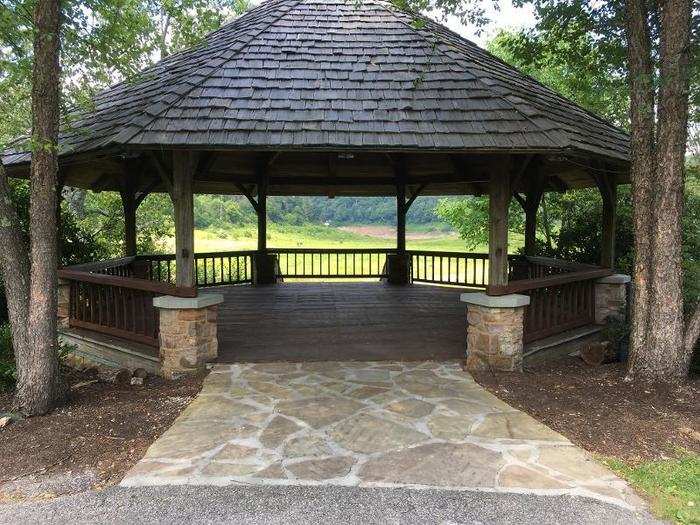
(330, 96)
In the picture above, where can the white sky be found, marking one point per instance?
(507, 17)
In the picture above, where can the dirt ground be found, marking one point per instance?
(596, 409)
(387, 232)
(97, 436)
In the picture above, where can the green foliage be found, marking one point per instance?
(8, 369)
(102, 217)
(103, 41)
(579, 49)
(8, 374)
(577, 218)
(673, 485)
(470, 217)
(617, 331)
(573, 63)
(223, 211)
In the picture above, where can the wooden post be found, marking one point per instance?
(129, 207)
(499, 199)
(530, 228)
(262, 180)
(608, 190)
(534, 197)
(184, 166)
(398, 265)
(400, 216)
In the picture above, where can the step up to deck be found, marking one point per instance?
(566, 339)
(101, 350)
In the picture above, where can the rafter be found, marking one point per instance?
(163, 171)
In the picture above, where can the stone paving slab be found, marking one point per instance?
(382, 424)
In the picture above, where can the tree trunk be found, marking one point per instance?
(666, 294)
(659, 349)
(14, 266)
(640, 78)
(39, 385)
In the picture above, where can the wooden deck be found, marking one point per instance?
(340, 321)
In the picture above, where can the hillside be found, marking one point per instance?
(226, 210)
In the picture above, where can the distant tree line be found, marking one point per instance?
(227, 210)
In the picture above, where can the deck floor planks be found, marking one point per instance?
(340, 321)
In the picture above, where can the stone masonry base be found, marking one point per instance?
(188, 335)
(495, 331)
(611, 297)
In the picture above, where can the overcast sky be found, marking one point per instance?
(508, 17)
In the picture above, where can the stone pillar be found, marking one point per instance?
(611, 297)
(188, 338)
(495, 331)
(398, 268)
(63, 303)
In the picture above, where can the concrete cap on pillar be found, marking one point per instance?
(513, 300)
(188, 303)
(618, 278)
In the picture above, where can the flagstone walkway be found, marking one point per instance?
(386, 424)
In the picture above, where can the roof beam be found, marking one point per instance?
(163, 172)
(245, 191)
(414, 195)
(519, 172)
(101, 183)
(206, 161)
(146, 191)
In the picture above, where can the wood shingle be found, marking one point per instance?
(335, 74)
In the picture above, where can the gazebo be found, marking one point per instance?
(336, 97)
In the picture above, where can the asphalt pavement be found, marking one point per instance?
(314, 505)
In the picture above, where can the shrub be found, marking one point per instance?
(8, 369)
(617, 331)
(8, 372)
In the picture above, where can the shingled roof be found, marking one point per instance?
(336, 74)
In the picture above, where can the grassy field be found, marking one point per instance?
(318, 236)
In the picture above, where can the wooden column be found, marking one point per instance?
(530, 229)
(129, 206)
(608, 190)
(500, 193)
(533, 198)
(262, 182)
(184, 167)
(401, 215)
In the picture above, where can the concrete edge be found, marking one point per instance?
(495, 301)
(204, 300)
(618, 278)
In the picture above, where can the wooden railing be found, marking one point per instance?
(116, 297)
(528, 267)
(558, 302)
(212, 268)
(114, 304)
(334, 263)
(461, 269)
